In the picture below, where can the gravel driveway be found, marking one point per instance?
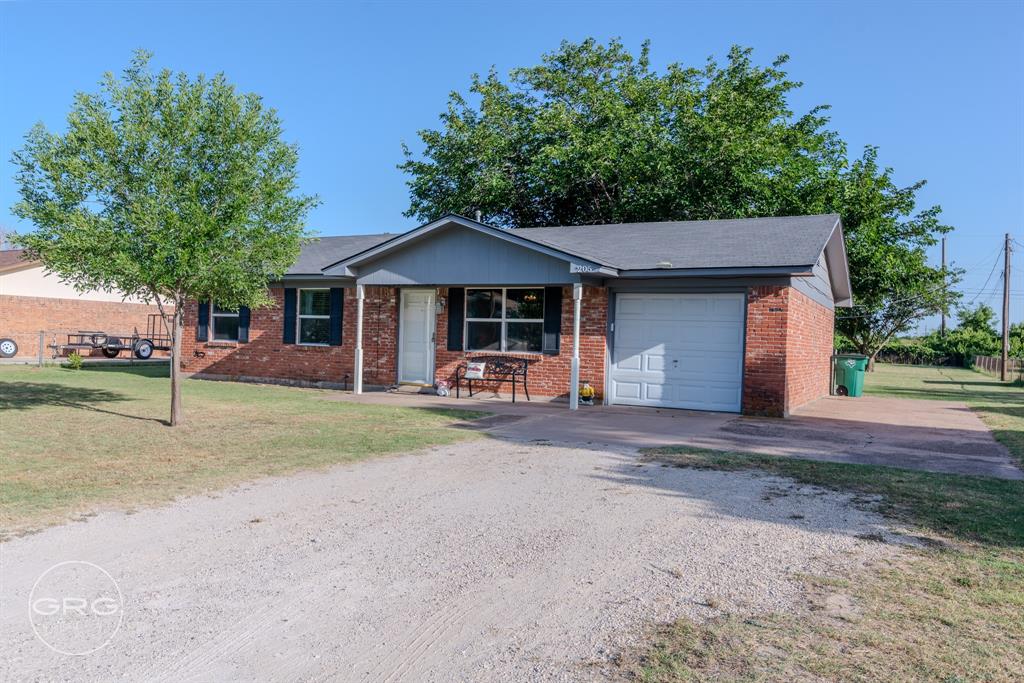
(487, 560)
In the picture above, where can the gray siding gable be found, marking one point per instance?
(817, 286)
(456, 255)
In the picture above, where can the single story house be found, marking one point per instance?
(724, 315)
(34, 301)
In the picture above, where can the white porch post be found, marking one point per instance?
(574, 376)
(357, 380)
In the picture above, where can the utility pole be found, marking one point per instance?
(942, 323)
(1004, 371)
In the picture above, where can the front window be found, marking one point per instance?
(505, 319)
(314, 316)
(224, 323)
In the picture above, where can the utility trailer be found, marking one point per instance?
(142, 345)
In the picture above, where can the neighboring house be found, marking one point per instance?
(730, 315)
(33, 301)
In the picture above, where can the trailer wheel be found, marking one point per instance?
(8, 348)
(143, 349)
(112, 347)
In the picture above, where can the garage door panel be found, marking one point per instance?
(692, 309)
(626, 390)
(725, 337)
(659, 309)
(631, 307)
(654, 391)
(678, 351)
(710, 368)
(708, 336)
(632, 337)
(727, 309)
(654, 363)
(629, 361)
(722, 395)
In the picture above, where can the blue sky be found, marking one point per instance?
(937, 86)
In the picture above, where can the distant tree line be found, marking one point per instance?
(974, 335)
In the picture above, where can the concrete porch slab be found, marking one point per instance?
(936, 436)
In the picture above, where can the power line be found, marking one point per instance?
(990, 273)
(994, 290)
(984, 260)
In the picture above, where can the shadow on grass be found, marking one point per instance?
(948, 393)
(963, 507)
(29, 395)
(144, 371)
(956, 382)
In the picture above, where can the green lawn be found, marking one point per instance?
(72, 442)
(1000, 404)
(951, 612)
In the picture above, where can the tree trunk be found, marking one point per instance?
(871, 362)
(177, 416)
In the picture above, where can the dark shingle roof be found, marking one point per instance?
(12, 258)
(733, 243)
(324, 251)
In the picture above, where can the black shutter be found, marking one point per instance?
(289, 315)
(243, 324)
(456, 316)
(203, 321)
(337, 314)
(552, 320)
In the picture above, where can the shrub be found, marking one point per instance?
(74, 361)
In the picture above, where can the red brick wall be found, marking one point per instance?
(809, 344)
(788, 350)
(22, 318)
(764, 365)
(266, 356)
(548, 375)
(788, 346)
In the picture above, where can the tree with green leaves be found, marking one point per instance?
(974, 335)
(893, 284)
(595, 135)
(168, 189)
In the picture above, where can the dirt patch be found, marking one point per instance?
(780, 429)
(486, 560)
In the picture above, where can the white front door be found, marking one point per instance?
(678, 351)
(416, 337)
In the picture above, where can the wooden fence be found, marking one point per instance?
(993, 365)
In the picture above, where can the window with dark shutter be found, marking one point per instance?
(552, 320)
(243, 324)
(289, 315)
(337, 314)
(202, 321)
(456, 313)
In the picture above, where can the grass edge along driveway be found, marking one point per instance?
(74, 442)
(950, 612)
(999, 404)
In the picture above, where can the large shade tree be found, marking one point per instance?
(168, 189)
(595, 135)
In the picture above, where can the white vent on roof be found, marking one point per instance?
(664, 264)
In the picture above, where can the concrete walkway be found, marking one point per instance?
(937, 436)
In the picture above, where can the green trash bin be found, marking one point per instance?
(849, 373)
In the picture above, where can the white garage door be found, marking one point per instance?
(678, 351)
